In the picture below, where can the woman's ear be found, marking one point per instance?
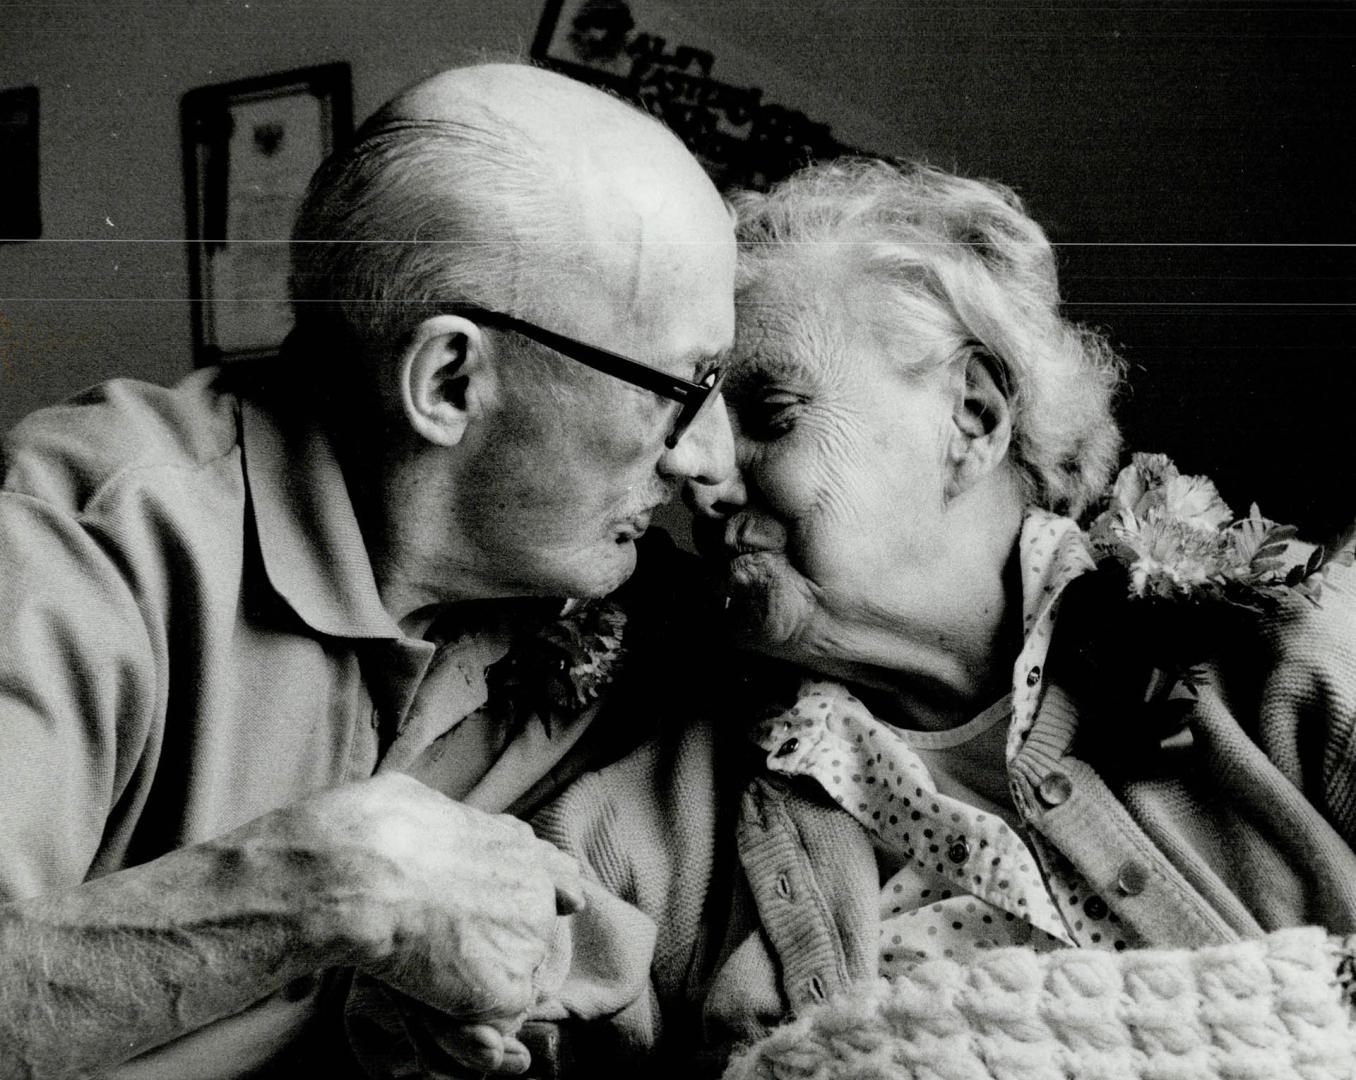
(981, 421)
(445, 378)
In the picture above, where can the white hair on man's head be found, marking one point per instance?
(969, 273)
(413, 216)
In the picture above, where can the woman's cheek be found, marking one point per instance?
(819, 548)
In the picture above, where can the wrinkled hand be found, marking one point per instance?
(450, 905)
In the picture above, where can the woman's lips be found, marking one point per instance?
(737, 537)
(746, 534)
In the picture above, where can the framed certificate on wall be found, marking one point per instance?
(250, 148)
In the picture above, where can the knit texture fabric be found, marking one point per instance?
(1272, 1008)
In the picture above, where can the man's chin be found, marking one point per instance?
(588, 574)
(613, 567)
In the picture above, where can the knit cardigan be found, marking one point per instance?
(764, 894)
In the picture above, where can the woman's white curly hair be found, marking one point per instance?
(971, 272)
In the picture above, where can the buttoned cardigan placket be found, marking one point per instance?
(1066, 802)
(798, 905)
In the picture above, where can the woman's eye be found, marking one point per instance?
(768, 415)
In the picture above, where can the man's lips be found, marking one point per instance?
(633, 527)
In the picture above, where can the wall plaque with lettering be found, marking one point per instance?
(742, 139)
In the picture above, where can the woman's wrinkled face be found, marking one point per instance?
(841, 451)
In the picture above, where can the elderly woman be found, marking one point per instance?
(974, 729)
(998, 729)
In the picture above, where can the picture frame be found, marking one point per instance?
(20, 197)
(249, 149)
(587, 41)
(741, 139)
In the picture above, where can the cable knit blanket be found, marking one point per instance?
(1275, 1008)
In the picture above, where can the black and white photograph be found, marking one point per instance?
(678, 539)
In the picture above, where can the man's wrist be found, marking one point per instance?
(317, 878)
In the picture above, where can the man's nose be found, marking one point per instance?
(705, 454)
(718, 491)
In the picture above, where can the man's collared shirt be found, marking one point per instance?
(191, 635)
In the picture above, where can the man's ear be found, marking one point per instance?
(445, 378)
(981, 421)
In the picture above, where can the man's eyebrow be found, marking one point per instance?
(720, 356)
(703, 360)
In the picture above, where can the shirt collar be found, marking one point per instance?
(312, 547)
(1053, 551)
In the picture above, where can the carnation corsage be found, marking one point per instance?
(1178, 541)
(560, 666)
(1177, 579)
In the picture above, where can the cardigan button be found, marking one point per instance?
(1033, 676)
(1132, 879)
(788, 747)
(1054, 789)
(958, 852)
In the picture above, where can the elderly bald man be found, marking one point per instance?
(231, 619)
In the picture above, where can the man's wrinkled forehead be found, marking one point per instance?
(649, 239)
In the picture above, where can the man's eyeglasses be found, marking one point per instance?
(693, 397)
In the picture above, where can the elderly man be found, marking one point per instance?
(233, 611)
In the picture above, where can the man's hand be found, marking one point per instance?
(451, 905)
(454, 906)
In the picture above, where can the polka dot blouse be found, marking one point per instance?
(959, 870)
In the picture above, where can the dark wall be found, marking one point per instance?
(1195, 163)
(105, 291)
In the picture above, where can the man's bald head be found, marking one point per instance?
(484, 184)
(507, 467)
(539, 104)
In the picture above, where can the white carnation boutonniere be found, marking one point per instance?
(1178, 542)
(560, 666)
